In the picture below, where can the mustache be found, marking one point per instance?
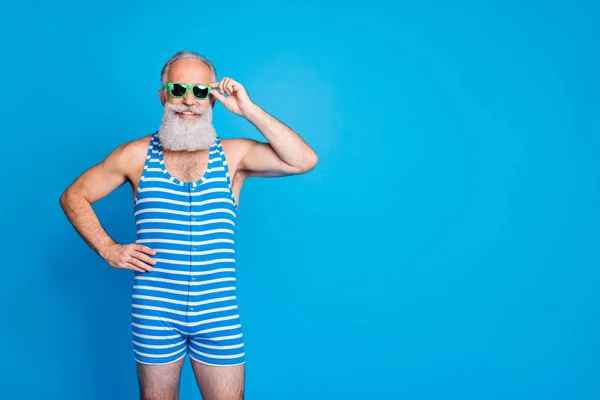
(185, 108)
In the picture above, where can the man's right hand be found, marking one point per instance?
(130, 256)
(123, 164)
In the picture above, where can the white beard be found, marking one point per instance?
(179, 134)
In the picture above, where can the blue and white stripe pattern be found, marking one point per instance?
(187, 304)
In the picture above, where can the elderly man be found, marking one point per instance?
(185, 185)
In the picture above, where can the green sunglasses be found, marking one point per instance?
(178, 89)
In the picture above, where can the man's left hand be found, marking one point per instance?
(237, 100)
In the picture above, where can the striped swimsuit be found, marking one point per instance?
(187, 304)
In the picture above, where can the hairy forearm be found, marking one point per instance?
(288, 145)
(83, 218)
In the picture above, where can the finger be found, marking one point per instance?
(144, 249)
(133, 267)
(230, 87)
(226, 85)
(222, 85)
(225, 89)
(217, 86)
(218, 95)
(144, 258)
(139, 264)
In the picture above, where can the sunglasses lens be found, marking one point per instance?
(200, 91)
(178, 90)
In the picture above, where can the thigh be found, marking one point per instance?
(220, 382)
(159, 381)
(218, 360)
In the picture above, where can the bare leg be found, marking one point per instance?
(220, 382)
(159, 382)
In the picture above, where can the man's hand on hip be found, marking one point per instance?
(130, 256)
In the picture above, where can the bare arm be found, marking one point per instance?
(92, 185)
(286, 153)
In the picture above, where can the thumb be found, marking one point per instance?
(218, 95)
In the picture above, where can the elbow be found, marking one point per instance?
(64, 200)
(311, 162)
(303, 167)
(67, 199)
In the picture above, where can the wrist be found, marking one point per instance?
(251, 112)
(104, 248)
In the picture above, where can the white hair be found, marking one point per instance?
(178, 134)
(186, 55)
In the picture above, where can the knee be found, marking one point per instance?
(228, 396)
(158, 395)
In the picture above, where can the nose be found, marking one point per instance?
(188, 99)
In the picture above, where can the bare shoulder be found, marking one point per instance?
(235, 149)
(125, 162)
(130, 155)
(136, 148)
(237, 146)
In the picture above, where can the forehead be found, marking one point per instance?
(189, 71)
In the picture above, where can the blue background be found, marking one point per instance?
(445, 247)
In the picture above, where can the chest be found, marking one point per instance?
(186, 166)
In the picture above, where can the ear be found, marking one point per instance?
(161, 96)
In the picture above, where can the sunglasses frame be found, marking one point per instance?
(170, 85)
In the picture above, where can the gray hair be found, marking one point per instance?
(186, 55)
